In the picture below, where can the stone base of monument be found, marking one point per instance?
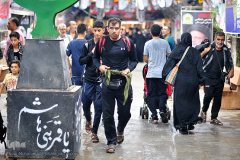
(44, 124)
(44, 65)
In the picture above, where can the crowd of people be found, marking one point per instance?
(101, 60)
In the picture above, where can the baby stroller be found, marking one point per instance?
(144, 111)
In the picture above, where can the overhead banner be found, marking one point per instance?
(233, 16)
(199, 24)
(4, 11)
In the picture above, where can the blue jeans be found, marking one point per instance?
(77, 81)
(92, 93)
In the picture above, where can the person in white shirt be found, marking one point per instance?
(62, 29)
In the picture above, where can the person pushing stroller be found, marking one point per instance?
(155, 52)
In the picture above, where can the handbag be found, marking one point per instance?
(171, 77)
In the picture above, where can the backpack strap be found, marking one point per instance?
(101, 44)
(127, 42)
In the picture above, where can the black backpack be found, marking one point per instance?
(3, 131)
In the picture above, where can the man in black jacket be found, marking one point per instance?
(91, 83)
(215, 58)
(118, 60)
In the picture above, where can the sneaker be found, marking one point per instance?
(154, 119)
(204, 116)
(216, 122)
(164, 117)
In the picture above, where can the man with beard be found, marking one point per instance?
(72, 29)
(215, 58)
(118, 60)
(62, 28)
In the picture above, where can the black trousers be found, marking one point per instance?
(213, 91)
(109, 97)
(156, 91)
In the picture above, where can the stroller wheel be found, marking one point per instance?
(143, 113)
(146, 114)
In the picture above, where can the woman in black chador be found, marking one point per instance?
(186, 104)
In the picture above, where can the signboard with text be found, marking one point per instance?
(199, 24)
(233, 16)
(4, 11)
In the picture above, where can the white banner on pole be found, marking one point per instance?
(122, 4)
(161, 3)
(140, 5)
(168, 3)
(100, 4)
(84, 4)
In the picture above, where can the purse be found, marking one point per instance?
(171, 77)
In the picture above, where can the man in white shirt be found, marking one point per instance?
(62, 29)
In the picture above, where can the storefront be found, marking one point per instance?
(232, 25)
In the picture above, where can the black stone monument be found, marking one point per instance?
(44, 112)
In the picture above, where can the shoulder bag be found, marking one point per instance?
(171, 77)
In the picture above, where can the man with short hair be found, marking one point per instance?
(91, 91)
(166, 31)
(62, 29)
(72, 29)
(74, 48)
(12, 25)
(215, 58)
(62, 35)
(155, 52)
(118, 60)
(90, 34)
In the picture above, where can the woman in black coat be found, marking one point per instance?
(186, 104)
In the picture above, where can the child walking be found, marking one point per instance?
(15, 50)
(10, 80)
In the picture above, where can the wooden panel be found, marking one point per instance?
(236, 78)
(231, 100)
(3, 73)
